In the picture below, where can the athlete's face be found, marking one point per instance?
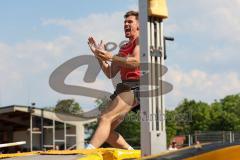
(131, 27)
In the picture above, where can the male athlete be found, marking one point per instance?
(125, 97)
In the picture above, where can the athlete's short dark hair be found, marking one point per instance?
(131, 13)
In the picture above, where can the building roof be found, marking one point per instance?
(61, 117)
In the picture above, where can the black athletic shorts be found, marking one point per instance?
(129, 85)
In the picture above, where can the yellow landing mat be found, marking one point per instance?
(89, 154)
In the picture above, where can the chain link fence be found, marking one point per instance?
(211, 137)
(224, 137)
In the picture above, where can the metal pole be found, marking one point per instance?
(54, 145)
(12, 144)
(65, 136)
(42, 135)
(230, 137)
(189, 140)
(233, 137)
(31, 136)
(153, 132)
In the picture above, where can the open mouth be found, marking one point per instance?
(127, 30)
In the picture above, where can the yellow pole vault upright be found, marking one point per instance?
(153, 132)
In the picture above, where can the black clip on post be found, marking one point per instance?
(166, 39)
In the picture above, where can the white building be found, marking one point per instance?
(41, 129)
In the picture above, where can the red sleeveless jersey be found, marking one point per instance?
(126, 51)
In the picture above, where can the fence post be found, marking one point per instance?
(189, 140)
(233, 137)
(230, 136)
(195, 140)
(223, 137)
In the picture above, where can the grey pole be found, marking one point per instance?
(153, 131)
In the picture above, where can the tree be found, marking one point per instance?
(102, 103)
(231, 104)
(68, 106)
(225, 114)
(192, 116)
